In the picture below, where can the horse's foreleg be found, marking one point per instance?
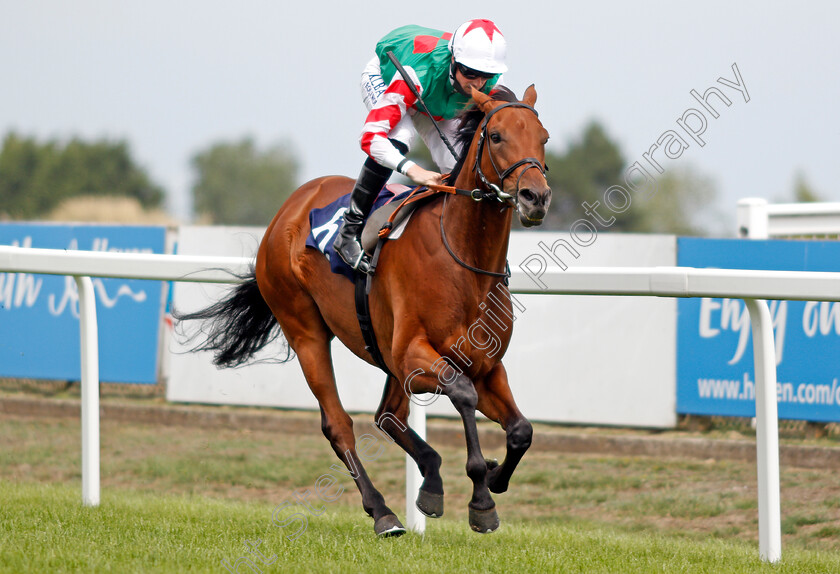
(392, 418)
(420, 376)
(495, 401)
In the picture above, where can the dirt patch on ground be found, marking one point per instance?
(549, 438)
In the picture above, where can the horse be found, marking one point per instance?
(427, 297)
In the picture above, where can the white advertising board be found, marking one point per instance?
(573, 359)
(595, 359)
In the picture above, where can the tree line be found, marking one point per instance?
(239, 183)
(35, 177)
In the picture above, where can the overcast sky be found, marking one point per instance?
(172, 77)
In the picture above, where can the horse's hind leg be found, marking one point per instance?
(337, 426)
(392, 418)
(309, 336)
(495, 400)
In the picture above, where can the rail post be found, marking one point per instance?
(766, 432)
(752, 218)
(90, 390)
(415, 520)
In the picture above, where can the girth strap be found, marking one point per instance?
(363, 283)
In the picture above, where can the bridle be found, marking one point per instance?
(531, 162)
(496, 192)
(492, 191)
(476, 194)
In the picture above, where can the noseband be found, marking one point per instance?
(531, 162)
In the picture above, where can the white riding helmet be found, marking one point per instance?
(479, 44)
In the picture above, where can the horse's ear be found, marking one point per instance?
(485, 102)
(530, 96)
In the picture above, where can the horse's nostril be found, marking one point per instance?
(527, 196)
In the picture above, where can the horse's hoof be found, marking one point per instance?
(491, 463)
(388, 525)
(484, 521)
(430, 504)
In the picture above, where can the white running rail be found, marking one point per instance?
(83, 265)
(752, 286)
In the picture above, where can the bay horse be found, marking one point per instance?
(426, 297)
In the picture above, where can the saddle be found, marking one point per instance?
(392, 211)
(325, 221)
(378, 219)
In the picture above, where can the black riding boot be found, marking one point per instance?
(348, 243)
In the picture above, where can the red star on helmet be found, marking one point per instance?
(487, 25)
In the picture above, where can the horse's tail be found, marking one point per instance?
(237, 327)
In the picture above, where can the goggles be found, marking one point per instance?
(471, 74)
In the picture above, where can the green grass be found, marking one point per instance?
(45, 529)
(183, 499)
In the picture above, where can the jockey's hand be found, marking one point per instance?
(422, 176)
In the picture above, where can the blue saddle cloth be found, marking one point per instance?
(325, 222)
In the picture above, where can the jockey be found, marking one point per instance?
(443, 68)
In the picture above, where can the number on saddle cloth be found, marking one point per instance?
(326, 221)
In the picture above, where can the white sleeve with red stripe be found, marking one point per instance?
(384, 116)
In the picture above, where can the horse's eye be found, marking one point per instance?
(495, 137)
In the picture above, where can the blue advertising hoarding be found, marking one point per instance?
(39, 314)
(715, 369)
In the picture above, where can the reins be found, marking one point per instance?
(462, 263)
(422, 192)
(493, 191)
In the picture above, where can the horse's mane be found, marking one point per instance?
(469, 121)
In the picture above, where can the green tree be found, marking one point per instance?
(802, 190)
(35, 177)
(683, 204)
(240, 185)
